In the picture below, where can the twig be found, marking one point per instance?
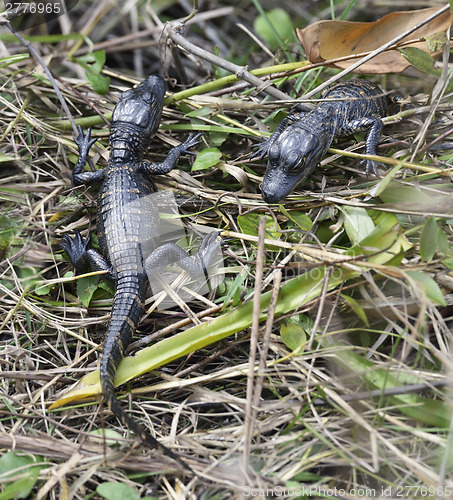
(175, 31)
(391, 391)
(248, 425)
(265, 345)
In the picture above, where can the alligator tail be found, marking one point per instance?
(127, 310)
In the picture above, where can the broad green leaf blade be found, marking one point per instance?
(99, 82)
(293, 335)
(443, 244)
(294, 293)
(437, 41)
(206, 158)
(93, 61)
(420, 60)
(427, 411)
(357, 308)
(357, 222)
(250, 223)
(117, 491)
(299, 218)
(25, 468)
(429, 286)
(408, 195)
(86, 287)
(275, 27)
(428, 239)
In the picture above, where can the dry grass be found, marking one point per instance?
(302, 419)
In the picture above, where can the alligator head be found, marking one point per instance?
(137, 115)
(292, 159)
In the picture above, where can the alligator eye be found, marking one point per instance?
(148, 97)
(295, 161)
(274, 153)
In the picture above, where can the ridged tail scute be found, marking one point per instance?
(127, 310)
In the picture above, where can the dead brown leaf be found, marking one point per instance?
(327, 40)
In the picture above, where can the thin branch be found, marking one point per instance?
(248, 425)
(391, 391)
(175, 31)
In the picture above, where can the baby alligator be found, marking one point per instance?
(128, 227)
(301, 140)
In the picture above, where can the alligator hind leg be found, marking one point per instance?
(83, 258)
(170, 253)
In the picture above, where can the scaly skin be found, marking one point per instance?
(128, 228)
(298, 144)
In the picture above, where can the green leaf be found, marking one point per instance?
(357, 223)
(429, 286)
(25, 468)
(117, 491)
(442, 241)
(86, 287)
(305, 477)
(428, 239)
(99, 83)
(7, 61)
(357, 308)
(234, 289)
(28, 275)
(92, 62)
(299, 218)
(448, 262)
(42, 289)
(409, 195)
(217, 138)
(110, 436)
(425, 410)
(274, 27)
(420, 60)
(204, 111)
(10, 228)
(436, 41)
(250, 223)
(293, 335)
(206, 158)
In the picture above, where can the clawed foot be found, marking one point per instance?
(192, 141)
(208, 246)
(371, 166)
(84, 141)
(261, 150)
(76, 248)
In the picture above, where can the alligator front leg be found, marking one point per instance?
(83, 258)
(172, 158)
(84, 143)
(375, 126)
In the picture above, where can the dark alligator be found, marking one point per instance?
(128, 228)
(301, 140)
